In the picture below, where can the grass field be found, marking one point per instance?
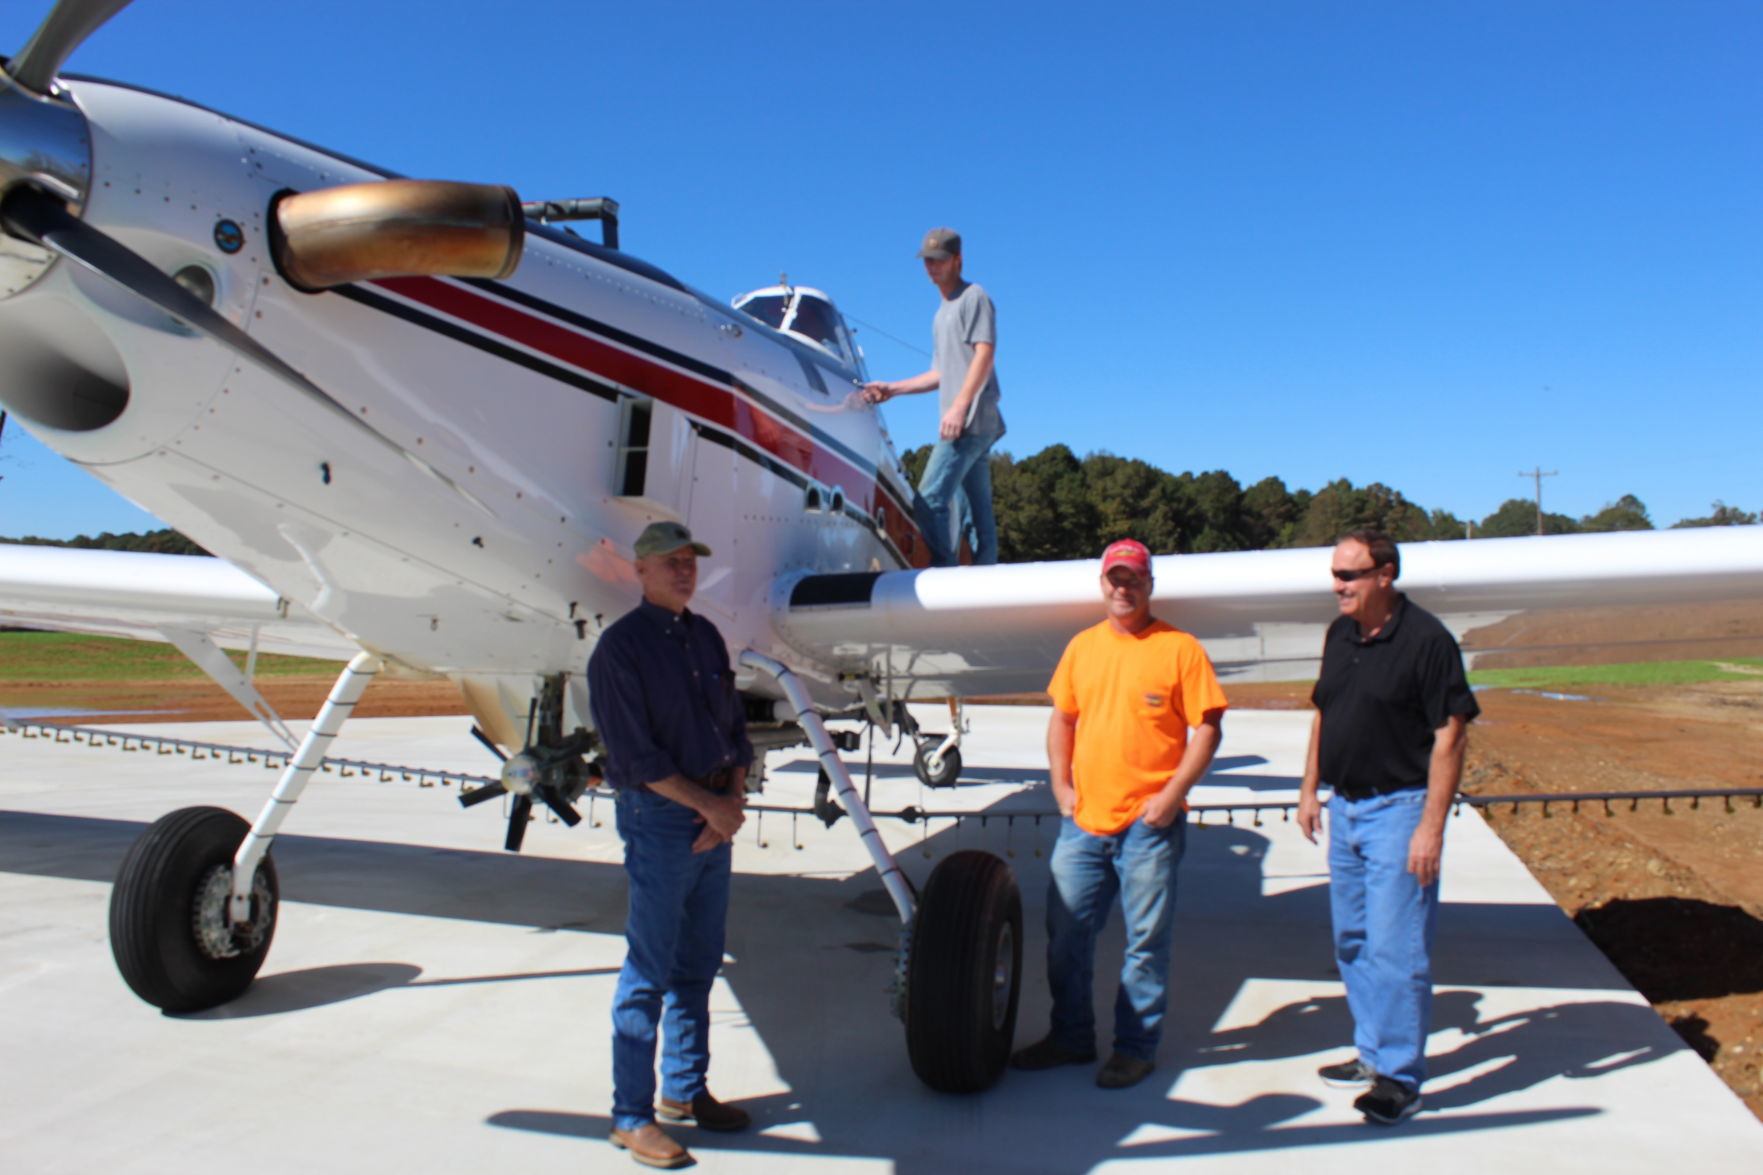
(61, 656)
(1633, 673)
(66, 656)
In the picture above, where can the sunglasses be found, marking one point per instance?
(1350, 576)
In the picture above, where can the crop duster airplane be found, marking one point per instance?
(423, 425)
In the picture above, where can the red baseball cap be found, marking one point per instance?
(1127, 553)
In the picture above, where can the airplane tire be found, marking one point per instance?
(951, 765)
(168, 931)
(964, 973)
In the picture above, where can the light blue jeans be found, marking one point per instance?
(1383, 929)
(674, 938)
(1087, 872)
(956, 467)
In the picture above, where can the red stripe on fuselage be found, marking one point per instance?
(693, 394)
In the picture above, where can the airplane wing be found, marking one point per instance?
(156, 598)
(975, 631)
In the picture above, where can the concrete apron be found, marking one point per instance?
(432, 1003)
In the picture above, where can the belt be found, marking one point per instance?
(1366, 793)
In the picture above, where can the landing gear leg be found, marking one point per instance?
(937, 758)
(960, 963)
(195, 902)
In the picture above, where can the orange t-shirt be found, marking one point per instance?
(1135, 698)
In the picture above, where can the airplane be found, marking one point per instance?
(421, 423)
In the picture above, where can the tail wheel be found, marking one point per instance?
(169, 930)
(963, 976)
(948, 770)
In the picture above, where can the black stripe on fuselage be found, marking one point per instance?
(605, 391)
(706, 371)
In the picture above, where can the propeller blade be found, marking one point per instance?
(520, 812)
(565, 811)
(40, 218)
(68, 24)
(478, 795)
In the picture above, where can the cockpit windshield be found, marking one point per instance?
(808, 315)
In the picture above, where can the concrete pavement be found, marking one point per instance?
(432, 1003)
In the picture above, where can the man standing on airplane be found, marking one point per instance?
(964, 338)
(1392, 713)
(664, 701)
(1122, 760)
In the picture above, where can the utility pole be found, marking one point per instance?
(1537, 476)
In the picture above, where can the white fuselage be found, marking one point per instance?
(521, 392)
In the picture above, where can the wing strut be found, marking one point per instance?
(207, 656)
(892, 879)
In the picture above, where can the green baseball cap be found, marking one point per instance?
(661, 538)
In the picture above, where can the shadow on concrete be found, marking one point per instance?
(1253, 1125)
(812, 959)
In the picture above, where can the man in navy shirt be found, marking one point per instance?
(666, 708)
(1392, 712)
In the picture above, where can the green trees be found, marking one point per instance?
(1625, 513)
(1518, 516)
(1721, 515)
(1055, 505)
(159, 542)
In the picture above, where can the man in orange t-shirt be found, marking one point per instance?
(1121, 762)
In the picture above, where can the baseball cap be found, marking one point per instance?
(940, 243)
(1127, 553)
(659, 538)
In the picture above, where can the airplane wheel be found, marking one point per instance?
(963, 977)
(168, 928)
(951, 770)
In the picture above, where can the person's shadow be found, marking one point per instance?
(1574, 1040)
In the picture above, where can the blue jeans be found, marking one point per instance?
(956, 467)
(1383, 928)
(674, 938)
(1088, 871)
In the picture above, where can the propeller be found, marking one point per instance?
(36, 216)
(550, 775)
(68, 24)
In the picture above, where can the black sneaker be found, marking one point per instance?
(1387, 1102)
(1347, 1073)
(1123, 1072)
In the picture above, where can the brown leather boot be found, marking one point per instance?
(649, 1145)
(704, 1112)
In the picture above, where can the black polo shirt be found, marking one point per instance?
(1382, 699)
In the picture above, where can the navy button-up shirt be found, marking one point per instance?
(664, 698)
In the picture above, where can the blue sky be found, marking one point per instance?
(1430, 244)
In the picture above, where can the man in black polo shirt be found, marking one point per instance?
(1392, 710)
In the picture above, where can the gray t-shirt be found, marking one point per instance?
(962, 321)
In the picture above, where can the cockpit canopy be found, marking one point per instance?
(806, 314)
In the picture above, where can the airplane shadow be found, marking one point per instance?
(813, 956)
(273, 993)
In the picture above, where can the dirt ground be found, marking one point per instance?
(1673, 897)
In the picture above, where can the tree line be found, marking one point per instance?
(157, 542)
(1055, 506)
